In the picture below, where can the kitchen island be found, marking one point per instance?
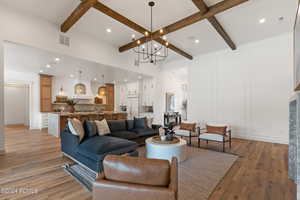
(57, 120)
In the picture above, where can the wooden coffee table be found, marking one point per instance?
(166, 151)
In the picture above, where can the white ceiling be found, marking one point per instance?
(28, 59)
(241, 23)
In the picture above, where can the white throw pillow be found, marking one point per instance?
(102, 126)
(149, 122)
(76, 128)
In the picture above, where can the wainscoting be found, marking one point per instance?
(245, 89)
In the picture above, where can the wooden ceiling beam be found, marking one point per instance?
(215, 23)
(212, 11)
(83, 7)
(174, 48)
(120, 18)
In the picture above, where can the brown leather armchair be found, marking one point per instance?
(131, 178)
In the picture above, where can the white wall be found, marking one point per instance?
(2, 137)
(16, 104)
(248, 88)
(31, 79)
(168, 81)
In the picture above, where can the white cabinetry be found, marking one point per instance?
(135, 95)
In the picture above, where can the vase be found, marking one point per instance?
(72, 109)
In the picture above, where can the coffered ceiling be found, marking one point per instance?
(241, 22)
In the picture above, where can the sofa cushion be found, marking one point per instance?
(125, 135)
(117, 125)
(145, 131)
(140, 123)
(96, 148)
(130, 124)
(90, 128)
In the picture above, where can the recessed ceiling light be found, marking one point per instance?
(48, 66)
(158, 53)
(197, 41)
(57, 59)
(133, 36)
(125, 80)
(41, 71)
(108, 30)
(71, 75)
(262, 20)
(95, 79)
(164, 37)
(155, 45)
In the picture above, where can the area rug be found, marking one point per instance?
(198, 175)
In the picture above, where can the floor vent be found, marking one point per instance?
(64, 40)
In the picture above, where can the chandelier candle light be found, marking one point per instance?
(150, 52)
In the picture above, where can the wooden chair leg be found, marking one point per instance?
(230, 143)
(190, 141)
(198, 142)
(206, 142)
(223, 146)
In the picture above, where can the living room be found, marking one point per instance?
(222, 66)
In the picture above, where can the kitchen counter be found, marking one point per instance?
(57, 120)
(86, 113)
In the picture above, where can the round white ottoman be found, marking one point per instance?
(166, 151)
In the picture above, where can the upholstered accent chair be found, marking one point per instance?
(188, 130)
(217, 133)
(131, 178)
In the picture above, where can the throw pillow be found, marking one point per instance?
(90, 128)
(76, 128)
(188, 126)
(216, 129)
(102, 127)
(140, 123)
(149, 122)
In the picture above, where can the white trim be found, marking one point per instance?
(2, 136)
(279, 140)
(31, 100)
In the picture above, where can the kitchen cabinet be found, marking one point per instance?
(110, 97)
(45, 93)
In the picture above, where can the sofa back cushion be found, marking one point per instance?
(90, 128)
(130, 124)
(133, 170)
(140, 123)
(117, 125)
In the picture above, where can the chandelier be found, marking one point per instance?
(150, 52)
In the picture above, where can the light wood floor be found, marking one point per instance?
(33, 161)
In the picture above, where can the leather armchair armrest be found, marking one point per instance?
(105, 189)
(174, 176)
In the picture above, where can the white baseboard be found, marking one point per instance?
(273, 139)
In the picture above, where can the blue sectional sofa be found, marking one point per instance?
(124, 138)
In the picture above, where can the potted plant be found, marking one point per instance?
(71, 103)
